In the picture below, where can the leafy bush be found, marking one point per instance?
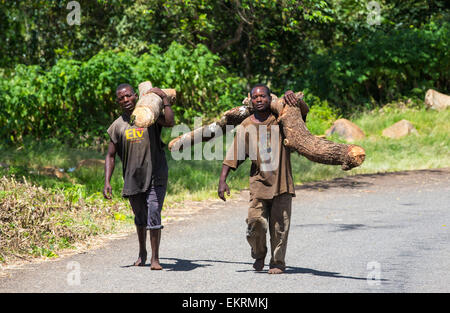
(75, 101)
(204, 88)
(321, 116)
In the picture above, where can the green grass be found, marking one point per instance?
(430, 148)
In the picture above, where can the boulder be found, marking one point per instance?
(345, 129)
(436, 100)
(399, 129)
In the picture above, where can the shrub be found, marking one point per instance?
(75, 101)
(321, 116)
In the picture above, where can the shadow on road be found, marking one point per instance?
(180, 265)
(189, 265)
(302, 270)
(345, 182)
(357, 181)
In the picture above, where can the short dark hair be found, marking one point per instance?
(260, 85)
(122, 86)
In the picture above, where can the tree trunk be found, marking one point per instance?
(231, 117)
(149, 106)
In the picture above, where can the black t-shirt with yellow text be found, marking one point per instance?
(142, 154)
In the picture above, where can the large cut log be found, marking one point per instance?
(297, 136)
(316, 149)
(149, 106)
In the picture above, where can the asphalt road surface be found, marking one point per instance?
(365, 233)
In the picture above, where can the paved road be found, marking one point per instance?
(392, 228)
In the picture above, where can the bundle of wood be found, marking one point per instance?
(149, 106)
(297, 135)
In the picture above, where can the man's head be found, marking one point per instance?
(260, 96)
(126, 97)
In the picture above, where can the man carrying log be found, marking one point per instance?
(260, 138)
(145, 170)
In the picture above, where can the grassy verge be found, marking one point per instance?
(42, 214)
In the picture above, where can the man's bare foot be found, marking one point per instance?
(276, 271)
(258, 265)
(155, 266)
(141, 260)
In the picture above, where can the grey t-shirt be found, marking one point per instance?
(142, 154)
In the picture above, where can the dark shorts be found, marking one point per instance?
(147, 206)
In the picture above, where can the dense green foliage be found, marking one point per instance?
(78, 98)
(386, 66)
(58, 80)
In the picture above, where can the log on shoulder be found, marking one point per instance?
(149, 106)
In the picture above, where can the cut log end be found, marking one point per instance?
(355, 157)
(172, 143)
(144, 87)
(143, 117)
(149, 106)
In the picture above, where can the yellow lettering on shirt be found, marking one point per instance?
(139, 132)
(130, 133)
(134, 133)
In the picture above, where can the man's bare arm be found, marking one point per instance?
(168, 119)
(291, 100)
(223, 186)
(109, 169)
